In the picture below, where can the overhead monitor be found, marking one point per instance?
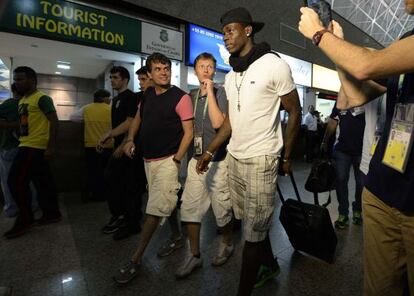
(200, 39)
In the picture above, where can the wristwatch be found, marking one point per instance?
(317, 37)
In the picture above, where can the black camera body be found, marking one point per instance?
(323, 9)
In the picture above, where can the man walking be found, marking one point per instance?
(210, 109)
(256, 87)
(38, 130)
(97, 121)
(347, 153)
(310, 121)
(125, 187)
(9, 142)
(165, 125)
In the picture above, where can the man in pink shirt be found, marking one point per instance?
(165, 123)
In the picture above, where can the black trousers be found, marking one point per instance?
(30, 165)
(312, 145)
(95, 165)
(126, 182)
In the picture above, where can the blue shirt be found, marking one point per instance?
(392, 187)
(351, 130)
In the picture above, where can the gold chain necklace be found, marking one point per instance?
(238, 87)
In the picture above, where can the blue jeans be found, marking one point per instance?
(343, 163)
(10, 207)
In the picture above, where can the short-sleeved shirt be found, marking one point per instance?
(9, 112)
(351, 124)
(34, 125)
(124, 105)
(161, 129)
(311, 122)
(206, 130)
(256, 127)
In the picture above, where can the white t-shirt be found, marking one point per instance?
(311, 122)
(371, 120)
(256, 128)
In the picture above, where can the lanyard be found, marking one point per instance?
(204, 111)
(400, 87)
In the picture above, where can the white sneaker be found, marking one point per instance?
(224, 252)
(190, 263)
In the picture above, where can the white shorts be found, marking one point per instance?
(163, 185)
(202, 190)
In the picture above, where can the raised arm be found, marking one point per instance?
(360, 62)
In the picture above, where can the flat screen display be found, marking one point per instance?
(201, 40)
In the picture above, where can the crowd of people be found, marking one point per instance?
(233, 140)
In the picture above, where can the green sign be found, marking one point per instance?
(62, 20)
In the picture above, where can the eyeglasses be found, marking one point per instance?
(204, 67)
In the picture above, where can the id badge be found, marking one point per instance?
(198, 145)
(400, 139)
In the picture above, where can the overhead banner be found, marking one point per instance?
(325, 78)
(301, 70)
(67, 21)
(159, 39)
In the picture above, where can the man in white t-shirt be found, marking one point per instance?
(310, 121)
(256, 87)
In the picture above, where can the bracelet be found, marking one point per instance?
(285, 160)
(176, 160)
(129, 140)
(209, 153)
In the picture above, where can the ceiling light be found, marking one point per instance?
(69, 279)
(58, 73)
(63, 66)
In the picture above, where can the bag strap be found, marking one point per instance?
(316, 199)
(295, 188)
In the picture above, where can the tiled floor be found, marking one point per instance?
(75, 258)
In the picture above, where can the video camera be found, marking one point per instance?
(323, 9)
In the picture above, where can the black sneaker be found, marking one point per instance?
(49, 219)
(124, 232)
(113, 225)
(19, 228)
(127, 273)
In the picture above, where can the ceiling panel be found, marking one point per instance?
(384, 20)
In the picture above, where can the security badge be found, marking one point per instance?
(198, 144)
(400, 138)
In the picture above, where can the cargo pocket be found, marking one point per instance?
(270, 169)
(169, 200)
(263, 215)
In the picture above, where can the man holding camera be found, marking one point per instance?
(256, 87)
(388, 203)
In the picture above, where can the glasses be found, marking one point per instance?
(204, 67)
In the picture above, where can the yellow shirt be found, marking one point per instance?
(34, 125)
(97, 118)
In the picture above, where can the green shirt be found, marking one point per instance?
(9, 112)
